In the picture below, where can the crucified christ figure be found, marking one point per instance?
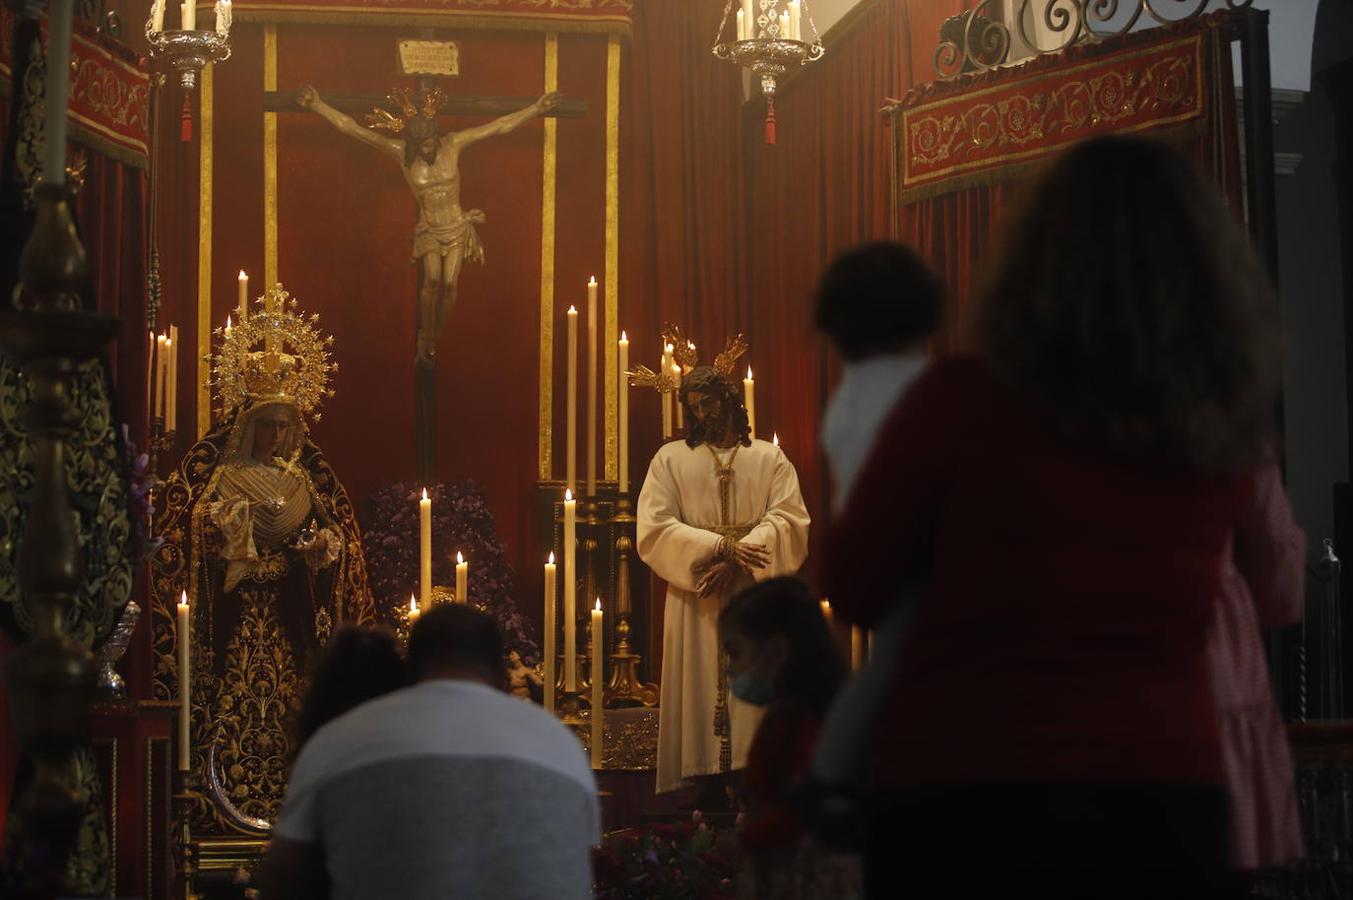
(444, 236)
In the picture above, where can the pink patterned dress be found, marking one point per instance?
(1262, 586)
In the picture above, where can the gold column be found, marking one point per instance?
(204, 217)
(612, 297)
(269, 162)
(547, 227)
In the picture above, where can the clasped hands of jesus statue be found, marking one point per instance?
(731, 561)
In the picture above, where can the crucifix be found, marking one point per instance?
(444, 237)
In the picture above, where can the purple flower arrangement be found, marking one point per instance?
(461, 521)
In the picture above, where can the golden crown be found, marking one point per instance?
(410, 104)
(687, 357)
(275, 355)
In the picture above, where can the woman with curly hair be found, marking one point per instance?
(1069, 492)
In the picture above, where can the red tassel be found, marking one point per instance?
(186, 122)
(770, 121)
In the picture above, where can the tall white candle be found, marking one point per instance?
(598, 688)
(188, 11)
(157, 16)
(784, 25)
(551, 627)
(173, 409)
(795, 20)
(571, 428)
(676, 401)
(592, 387)
(570, 593)
(667, 398)
(183, 637)
(57, 86)
(242, 310)
(425, 550)
(223, 17)
(749, 16)
(742, 26)
(162, 374)
(749, 400)
(462, 579)
(624, 409)
(150, 375)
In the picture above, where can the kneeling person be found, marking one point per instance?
(450, 787)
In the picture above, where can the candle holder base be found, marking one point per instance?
(185, 851)
(570, 708)
(625, 687)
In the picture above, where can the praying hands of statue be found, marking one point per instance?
(732, 562)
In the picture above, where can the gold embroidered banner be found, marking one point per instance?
(987, 127)
(109, 92)
(605, 16)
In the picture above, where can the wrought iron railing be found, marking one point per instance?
(985, 36)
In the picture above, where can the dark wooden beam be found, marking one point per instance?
(487, 107)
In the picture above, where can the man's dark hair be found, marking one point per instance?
(878, 298)
(456, 636)
(707, 380)
(416, 130)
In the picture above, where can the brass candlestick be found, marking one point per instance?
(186, 868)
(625, 687)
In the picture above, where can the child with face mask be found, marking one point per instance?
(782, 656)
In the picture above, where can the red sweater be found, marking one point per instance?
(1061, 636)
(780, 755)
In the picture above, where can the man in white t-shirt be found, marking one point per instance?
(449, 788)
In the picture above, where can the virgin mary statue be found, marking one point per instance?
(260, 534)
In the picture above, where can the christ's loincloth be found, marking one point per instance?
(442, 239)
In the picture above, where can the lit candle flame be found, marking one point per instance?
(670, 348)
(243, 277)
(459, 558)
(228, 326)
(749, 373)
(183, 599)
(573, 310)
(592, 282)
(598, 604)
(568, 495)
(551, 559)
(425, 493)
(623, 338)
(775, 439)
(413, 605)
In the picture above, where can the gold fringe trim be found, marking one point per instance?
(433, 20)
(998, 173)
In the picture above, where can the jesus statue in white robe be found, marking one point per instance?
(716, 512)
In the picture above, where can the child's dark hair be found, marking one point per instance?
(815, 668)
(878, 298)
